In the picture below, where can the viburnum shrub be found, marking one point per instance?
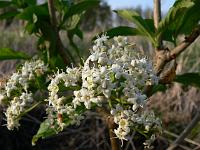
(113, 78)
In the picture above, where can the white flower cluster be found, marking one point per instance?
(17, 106)
(70, 78)
(118, 73)
(117, 66)
(115, 73)
(16, 89)
(127, 119)
(57, 104)
(28, 72)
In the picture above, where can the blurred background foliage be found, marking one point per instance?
(176, 106)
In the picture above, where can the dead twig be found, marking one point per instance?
(186, 131)
(186, 139)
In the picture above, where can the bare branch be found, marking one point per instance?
(182, 46)
(52, 13)
(186, 139)
(157, 13)
(165, 56)
(59, 45)
(157, 18)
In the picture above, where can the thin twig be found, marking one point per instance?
(186, 131)
(186, 139)
(181, 146)
(34, 119)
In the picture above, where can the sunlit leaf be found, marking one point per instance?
(72, 22)
(181, 18)
(7, 53)
(142, 25)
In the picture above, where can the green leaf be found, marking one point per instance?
(31, 2)
(9, 14)
(7, 53)
(175, 13)
(47, 31)
(72, 21)
(168, 35)
(30, 28)
(181, 18)
(44, 131)
(24, 3)
(121, 31)
(41, 11)
(143, 26)
(190, 19)
(79, 8)
(78, 32)
(158, 88)
(192, 79)
(150, 24)
(5, 4)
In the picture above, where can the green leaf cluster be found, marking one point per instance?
(182, 17)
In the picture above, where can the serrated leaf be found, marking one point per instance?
(192, 79)
(7, 53)
(181, 18)
(5, 4)
(175, 13)
(142, 25)
(190, 20)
